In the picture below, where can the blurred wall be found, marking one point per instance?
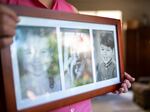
(132, 9)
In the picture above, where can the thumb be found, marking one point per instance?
(5, 42)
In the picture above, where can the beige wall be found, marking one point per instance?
(132, 9)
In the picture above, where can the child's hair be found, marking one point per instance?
(107, 39)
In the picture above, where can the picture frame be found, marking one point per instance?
(66, 49)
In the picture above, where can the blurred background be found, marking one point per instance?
(135, 17)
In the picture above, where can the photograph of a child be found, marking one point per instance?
(38, 61)
(76, 48)
(104, 55)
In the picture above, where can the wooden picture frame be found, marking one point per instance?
(73, 50)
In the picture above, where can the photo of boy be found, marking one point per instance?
(37, 56)
(106, 66)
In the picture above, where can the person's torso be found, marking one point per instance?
(59, 5)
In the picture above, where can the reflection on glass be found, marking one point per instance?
(76, 57)
(38, 61)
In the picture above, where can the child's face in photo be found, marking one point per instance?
(106, 53)
(36, 55)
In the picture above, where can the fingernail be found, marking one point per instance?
(133, 79)
(117, 92)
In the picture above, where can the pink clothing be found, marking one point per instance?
(60, 5)
(84, 106)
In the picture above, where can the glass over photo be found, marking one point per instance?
(76, 50)
(38, 61)
(104, 52)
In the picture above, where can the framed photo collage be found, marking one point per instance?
(58, 58)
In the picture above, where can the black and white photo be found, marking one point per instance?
(105, 54)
